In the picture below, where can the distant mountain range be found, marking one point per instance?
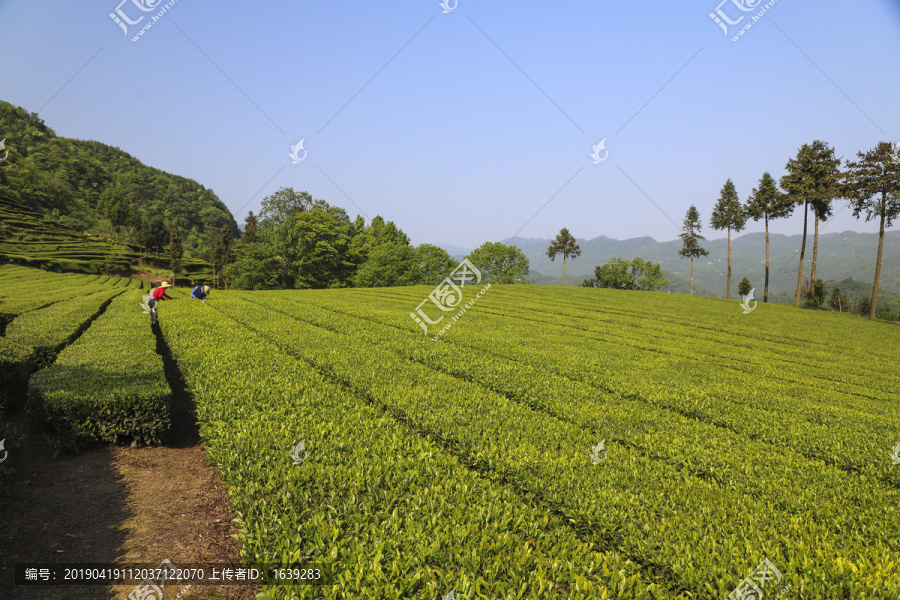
(841, 256)
(455, 251)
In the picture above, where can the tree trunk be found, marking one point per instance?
(564, 270)
(728, 291)
(692, 276)
(802, 254)
(766, 292)
(878, 260)
(812, 277)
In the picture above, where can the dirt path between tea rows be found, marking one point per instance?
(114, 505)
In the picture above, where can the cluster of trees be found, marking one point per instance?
(637, 274)
(300, 242)
(848, 295)
(813, 180)
(618, 273)
(500, 263)
(90, 186)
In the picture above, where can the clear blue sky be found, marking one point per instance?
(461, 127)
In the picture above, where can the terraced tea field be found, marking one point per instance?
(28, 239)
(739, 450)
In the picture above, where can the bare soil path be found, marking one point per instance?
(115, 505)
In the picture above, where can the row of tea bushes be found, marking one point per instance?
(109, 385)
(24, 289)
(42, 333)
(47, 330)
(16, 365)
(20, 293)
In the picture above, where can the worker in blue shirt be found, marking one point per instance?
(200, 292)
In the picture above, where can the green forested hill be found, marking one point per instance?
(90, 186)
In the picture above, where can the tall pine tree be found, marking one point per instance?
(872, 184)
(564, 244)
(728, 214)
(176, 251)
(250, 229)
(768, 203)
(813, 179)
(690, 240)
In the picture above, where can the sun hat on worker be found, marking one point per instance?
(165, 284)
(205, 289)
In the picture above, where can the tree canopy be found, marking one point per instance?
(637, 274)
(872, 185)
(435, 264)
(564, 245)
(690, 239)
(500, 263)
(766, 202)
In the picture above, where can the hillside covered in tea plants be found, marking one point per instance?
(27, 238)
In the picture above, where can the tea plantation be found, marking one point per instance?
(744, 455)
(29, 239)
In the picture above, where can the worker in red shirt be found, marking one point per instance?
(154, 295)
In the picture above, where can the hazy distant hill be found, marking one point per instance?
(841, 256)
(455, 251)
